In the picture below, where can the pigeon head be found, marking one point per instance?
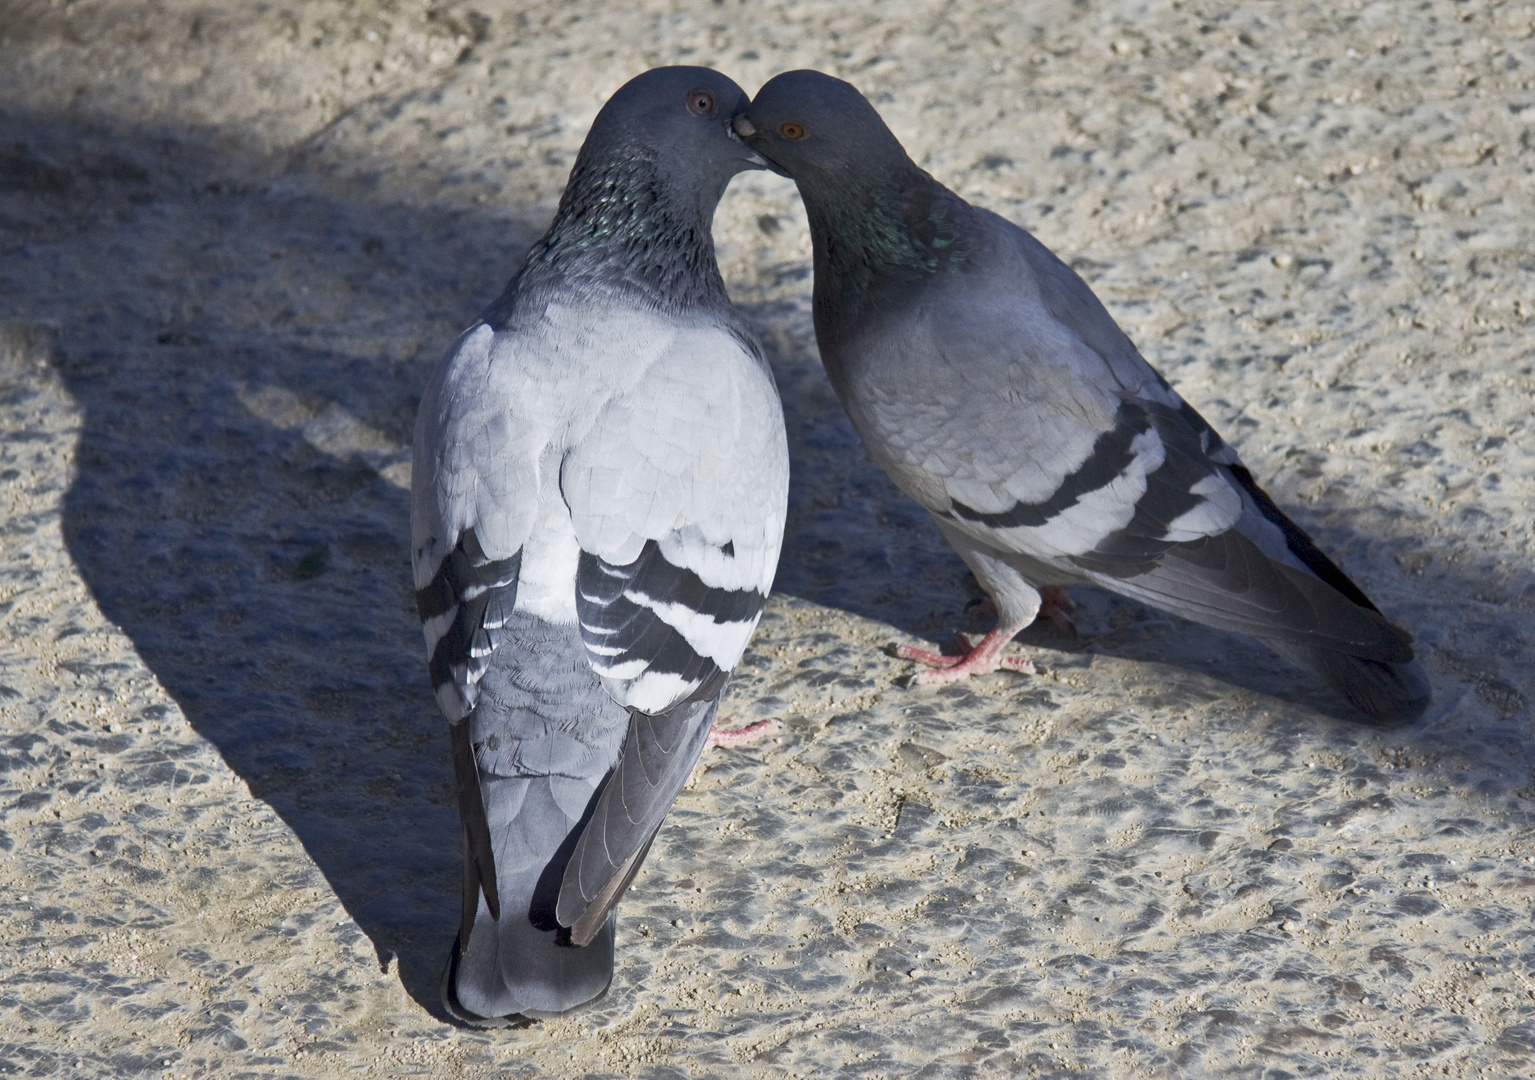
(875, 217)
(819, 131)
(678, 118)
(641, 196)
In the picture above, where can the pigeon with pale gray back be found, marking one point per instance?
(599, 493)
(994, 388)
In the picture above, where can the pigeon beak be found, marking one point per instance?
(735, 130)
(740, 129)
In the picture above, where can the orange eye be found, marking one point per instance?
(701, 102)
(791, 130)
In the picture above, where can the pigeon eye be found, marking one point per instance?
(791, 130)
(701, 102)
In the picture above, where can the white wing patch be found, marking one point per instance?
(1099, 513)
(549, 565)
(678, 497)
(1220, 509)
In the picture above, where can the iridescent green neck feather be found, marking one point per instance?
(901, 225)
(625, 226)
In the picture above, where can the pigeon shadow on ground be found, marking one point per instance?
(247, 356)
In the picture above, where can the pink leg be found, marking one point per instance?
(978, 659)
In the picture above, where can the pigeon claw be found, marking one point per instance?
(981, 658)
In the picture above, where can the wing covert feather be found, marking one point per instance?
(678, 496)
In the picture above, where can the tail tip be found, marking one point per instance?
(456, 1008)
(587, 979)
(1393, 693)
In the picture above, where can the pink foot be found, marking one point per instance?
(977, 659)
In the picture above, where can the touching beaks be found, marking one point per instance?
(741, 129)
(733, 129)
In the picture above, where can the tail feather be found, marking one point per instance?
(1393, 692)
(530, 759)
(1386, 691)
(521, 965)
(1388, 688)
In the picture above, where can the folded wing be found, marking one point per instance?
(678, 498)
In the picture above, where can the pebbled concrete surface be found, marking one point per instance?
(235, 240)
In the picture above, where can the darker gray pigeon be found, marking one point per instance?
(994, 388)
(599, 492)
